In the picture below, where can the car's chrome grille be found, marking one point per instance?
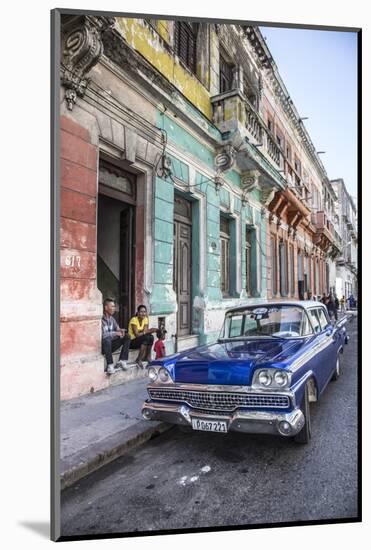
(220, 401)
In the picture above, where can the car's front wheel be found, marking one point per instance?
(305, 433)
(336, 374)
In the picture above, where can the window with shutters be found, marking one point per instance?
(317, 278)
(292, 270)
(288, 152)
(225, 243)
(283, 268)
(248, 260)
(306, 273)
(225, 74)
(314, 276)
(185, 43)
(274, 265)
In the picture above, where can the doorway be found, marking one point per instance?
(116, 241)
(182, 272)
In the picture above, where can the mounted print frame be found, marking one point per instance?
(205, 276)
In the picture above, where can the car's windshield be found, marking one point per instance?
(284, 321)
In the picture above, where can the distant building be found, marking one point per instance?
(188, 183)
(346, 264)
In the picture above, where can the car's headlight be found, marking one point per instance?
(163, 375)
(265, 378)
(272, 379)
(159, 373)
(281, 378)
(152, 374)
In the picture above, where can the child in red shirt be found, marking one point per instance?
(159, 346)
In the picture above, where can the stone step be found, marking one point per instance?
(132, 373)
(122, 376)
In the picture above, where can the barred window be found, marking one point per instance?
(225, 238)
(185, 43)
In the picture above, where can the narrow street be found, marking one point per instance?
(187, 480)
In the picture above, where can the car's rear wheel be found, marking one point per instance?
(305, 433)
(336, 374)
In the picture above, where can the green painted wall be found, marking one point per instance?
(163, 297)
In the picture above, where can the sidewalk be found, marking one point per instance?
(98, 428)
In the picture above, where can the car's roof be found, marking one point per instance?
(305, 304)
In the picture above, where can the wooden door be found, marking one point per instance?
(182, 274)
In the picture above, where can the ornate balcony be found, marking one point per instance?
(232, 112)
(325, 233)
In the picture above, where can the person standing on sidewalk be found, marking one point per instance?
(141, 336)
(159, 347)
(342, 304)
(113, 337)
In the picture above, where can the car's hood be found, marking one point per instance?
(230, 362)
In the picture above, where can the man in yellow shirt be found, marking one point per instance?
(141, 335)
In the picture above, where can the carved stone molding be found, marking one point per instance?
(267, 194)
(81, 50)
(250, 180)
(225, 158)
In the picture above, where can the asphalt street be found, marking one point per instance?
(196, 480)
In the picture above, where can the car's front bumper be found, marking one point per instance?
(239, 421)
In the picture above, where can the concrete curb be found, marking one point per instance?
(83, 463)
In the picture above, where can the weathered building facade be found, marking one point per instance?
(188, 183)
(346, 264)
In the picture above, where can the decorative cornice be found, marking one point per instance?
(82, 48)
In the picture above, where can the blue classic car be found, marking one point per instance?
(271, 361)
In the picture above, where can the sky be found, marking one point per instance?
(319, 69)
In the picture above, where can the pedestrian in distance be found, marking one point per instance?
(113, 337)
(333, 301)
(159, 347)
(342, 304)
(141, 336)
(331, 307)
(336, 299)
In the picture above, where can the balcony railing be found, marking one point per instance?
(324, 228)
(253, 123)
(232, 111)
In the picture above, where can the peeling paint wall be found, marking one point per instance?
(154, 46)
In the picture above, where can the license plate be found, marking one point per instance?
(209, 425)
